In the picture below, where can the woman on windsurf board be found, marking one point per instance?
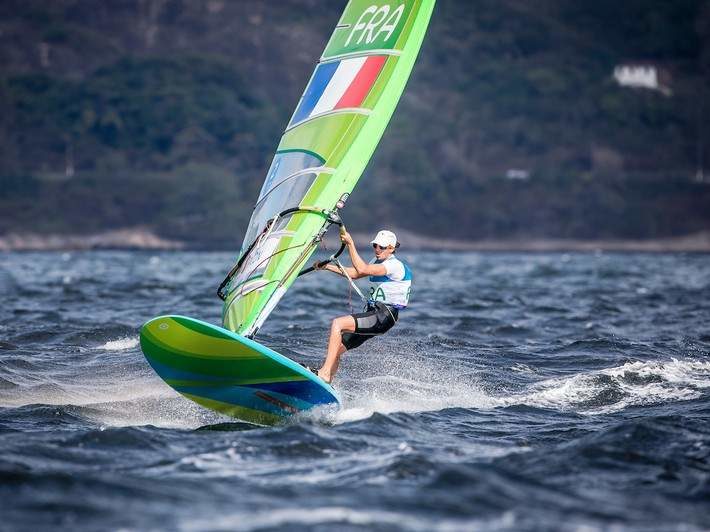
(390, 284)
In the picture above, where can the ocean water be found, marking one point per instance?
(519, 392)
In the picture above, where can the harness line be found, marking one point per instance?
(352, 285)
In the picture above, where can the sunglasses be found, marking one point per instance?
(377, 246)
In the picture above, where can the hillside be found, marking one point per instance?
(165, 114)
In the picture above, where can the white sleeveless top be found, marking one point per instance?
(394, 287)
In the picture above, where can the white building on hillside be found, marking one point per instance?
(641, 76)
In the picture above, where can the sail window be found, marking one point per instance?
(286, 164)
(258, 259)
(288, 194)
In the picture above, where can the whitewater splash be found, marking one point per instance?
(173, 412)
(131, 403)
(426, 388)
(390, 394)
(406, 381)
(109, 388)
(378, 382)
(122, 344)
(423, 386)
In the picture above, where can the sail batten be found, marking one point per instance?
(348, 55)
(344, 111)
(326, 145)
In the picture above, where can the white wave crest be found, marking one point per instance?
(339, 517)
(617, 388)
(121, 344)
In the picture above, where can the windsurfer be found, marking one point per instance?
(390, 282)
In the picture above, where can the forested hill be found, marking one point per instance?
(165, 114)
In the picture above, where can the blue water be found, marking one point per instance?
(519, 392)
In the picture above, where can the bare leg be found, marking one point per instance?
(335, 346)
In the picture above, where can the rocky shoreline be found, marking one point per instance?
(143, 238)
(139, 238)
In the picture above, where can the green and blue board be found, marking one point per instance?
(230, 374)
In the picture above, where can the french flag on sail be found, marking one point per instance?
(339, 85)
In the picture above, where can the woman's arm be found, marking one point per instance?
(362, 268)
(352, 273)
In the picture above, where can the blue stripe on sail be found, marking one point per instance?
(315, 89)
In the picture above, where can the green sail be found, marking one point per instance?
(326, 146)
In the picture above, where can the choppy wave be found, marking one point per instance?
(527, 392)
(617, 388)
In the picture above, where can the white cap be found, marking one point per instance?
(385, 239)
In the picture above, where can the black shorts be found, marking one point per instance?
(377, 318)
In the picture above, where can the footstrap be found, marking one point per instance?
(315, 371)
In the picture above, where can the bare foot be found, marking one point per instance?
(325, 376)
